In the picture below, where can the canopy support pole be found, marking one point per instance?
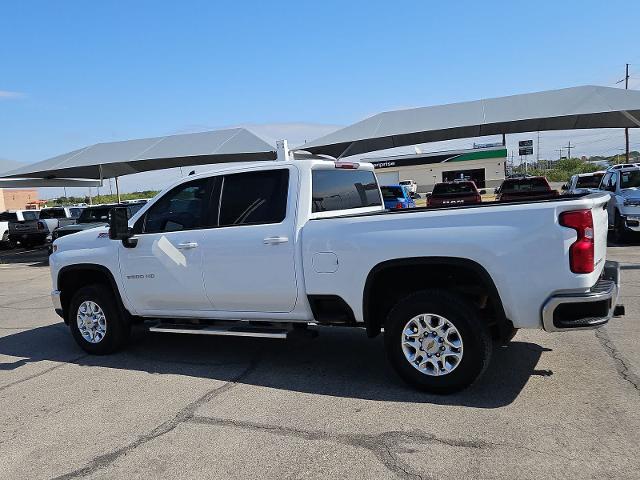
(117, 189)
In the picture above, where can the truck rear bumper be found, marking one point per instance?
(585, 310)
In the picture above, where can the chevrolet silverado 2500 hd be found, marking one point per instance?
(260, 248)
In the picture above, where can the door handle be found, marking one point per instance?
(187, 245)
(275, 240)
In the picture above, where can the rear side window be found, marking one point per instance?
(254, 198)
(460, 188)
(183, 208)
(591, 181)
(344, 189)
(8, 217)
(391, 193)
(525, 185)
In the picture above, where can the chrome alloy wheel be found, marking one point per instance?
(92, 322)
(432, 344)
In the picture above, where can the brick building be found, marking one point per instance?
(17, 199)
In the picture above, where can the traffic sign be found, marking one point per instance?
(526, 151)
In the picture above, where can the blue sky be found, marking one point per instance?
(74, 73)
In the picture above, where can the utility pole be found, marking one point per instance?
(626, 130)
(569, 150)
(538, 148)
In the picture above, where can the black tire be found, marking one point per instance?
(475, 335)
(117, 328)
(7, 243)
(620, 232)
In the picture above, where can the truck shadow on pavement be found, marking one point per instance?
(339, 362)
(33, 257)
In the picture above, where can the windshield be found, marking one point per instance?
(630, 179)
(525, 185)
(94, 215)
(391, 193)
(458, 188)
(590, 181)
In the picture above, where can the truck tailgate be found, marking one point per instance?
(22, 227)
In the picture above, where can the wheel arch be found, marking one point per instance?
(374, 309)
(73, 277)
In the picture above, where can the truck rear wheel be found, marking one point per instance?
(95, 321)
(436, 342)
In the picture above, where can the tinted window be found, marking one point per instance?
(630, 179)
(95, 214)
(254, 198)
(8, 217)
(344, 189)
(75, 212)
(459, 188)
(391, 193)
(134, 207)
(591, 181)
(525, 185)
(52, 213)
(183, 208)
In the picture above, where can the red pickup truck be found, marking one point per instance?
(454, 194)
(525, 188)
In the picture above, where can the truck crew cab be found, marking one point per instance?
(255, 249)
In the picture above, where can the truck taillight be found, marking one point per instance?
(581, 252)
(398, 205)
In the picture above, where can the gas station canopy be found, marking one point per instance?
(566, 109)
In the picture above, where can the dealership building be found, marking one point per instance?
(484, 165)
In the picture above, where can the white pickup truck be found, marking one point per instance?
(257, 249)
(38, 231)
(10, 217)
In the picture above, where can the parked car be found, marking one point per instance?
(396, 197)
(525, 188)
(36, 232)
(92, 217)
(290, 242)
(13, 216)
(411, 185)
(583, 183)
(454, 194)
(623, 186)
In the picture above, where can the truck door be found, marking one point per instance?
(249, 258)
(162, 274)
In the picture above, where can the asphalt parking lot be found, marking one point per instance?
(550, 406)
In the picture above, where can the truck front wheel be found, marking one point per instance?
(95, 322)
(436, 342)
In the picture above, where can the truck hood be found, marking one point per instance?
(84, 239)
(77, 227)
(633, 192)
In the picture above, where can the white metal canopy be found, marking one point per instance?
(108, 160)
(43, 182)
(566, 109)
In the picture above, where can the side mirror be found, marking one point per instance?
(565, 187)
(119, 226)
(482, 192)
